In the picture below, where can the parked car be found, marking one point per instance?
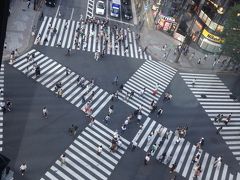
(127, 12)
(126, 2)
(51, 3)
(100, 8)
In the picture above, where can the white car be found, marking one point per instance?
(100, 8)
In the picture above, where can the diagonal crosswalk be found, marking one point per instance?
(52, 72)
(90, 8)
(1, 101)
(66, 35)
(215, 99)
(82, 161)
(147, 76)
(180, 153)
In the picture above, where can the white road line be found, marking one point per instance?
(210, 168)
(141, 130)
(189, 160)
(72, 14)
(184, 153)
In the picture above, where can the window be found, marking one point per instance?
(213, 25)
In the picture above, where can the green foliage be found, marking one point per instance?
(231, 33)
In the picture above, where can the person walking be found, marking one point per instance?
(159, 112)
(28, 4)
(107, 119)
(218, 130)
(99, 150)
(218, 162)
(110, 109)
(172, 169)
(115, 80)
(147, 159)
(142, 91)
(134, 145)
(153, 149)
(68, 52)
(23, 168)
(45, 112)
(139, 117)
(63, 159)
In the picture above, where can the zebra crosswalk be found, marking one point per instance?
(2, 101)
(90, 8)
(179, 153)
(82, 161)
(149, 75)
(66, 35)
(52, 72)
(215, 99)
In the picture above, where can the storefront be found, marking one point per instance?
(166, 23)
(210, 42)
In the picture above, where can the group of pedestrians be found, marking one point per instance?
(224, 119)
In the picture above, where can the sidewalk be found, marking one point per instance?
(19, 27)
(155, 40)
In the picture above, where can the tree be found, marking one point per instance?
(231, 34)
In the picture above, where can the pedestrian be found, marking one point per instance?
(154, 92)
(72, 130)
(124, 128)
(196, 157)
(110, 109)
(68, 52)
(198, 170)
(218, 162)
(142, 91)
(45, 112)
(162, 157)
(99, 150)
(218, 130)
(107, 119)
(60, 93)
(23, 168)
(139, 117)
(134, 145)
(145, 49)
(199, 61)
(63, 159)
(115, 80)
(121, 87)
(172, 169)
(147, 159)
(28, 3)
(153, 149)
(131, 94)
(205, 57)
(149, 138)
(193, 82)
(92, 121)
(159, 112)
(200, 143)
(67, 71)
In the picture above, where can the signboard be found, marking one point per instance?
(212, 37)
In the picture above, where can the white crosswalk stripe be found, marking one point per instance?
(1, 101)
(90, 8)
(66, 35)
(216, 98)
(82, 161)
(181, 153)
(52, 72)
(147, 76)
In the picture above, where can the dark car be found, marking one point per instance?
(127, 12)
(126, 2)
(51, 3)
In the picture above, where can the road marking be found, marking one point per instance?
(57, 11)
(72, 13)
